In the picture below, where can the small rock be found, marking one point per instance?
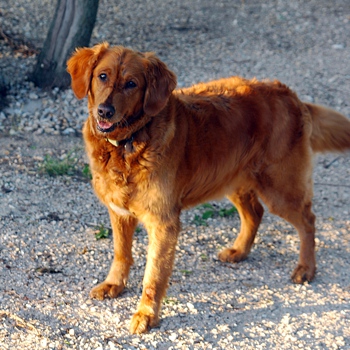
(338, 46)
(33, 96)
(68, 131)
(190, 306)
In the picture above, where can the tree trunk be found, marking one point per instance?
(3, 89)
(70, 28)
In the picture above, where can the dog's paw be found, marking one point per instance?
(104, 290)
(141, 322)
(302, 274)
(231, 255)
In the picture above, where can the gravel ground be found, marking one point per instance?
(49, 256)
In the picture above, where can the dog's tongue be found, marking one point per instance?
(104, 125)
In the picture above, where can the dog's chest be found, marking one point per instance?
(119, 185)
(116, 192)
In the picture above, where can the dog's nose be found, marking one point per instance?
(105, 111)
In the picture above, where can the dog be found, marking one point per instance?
(154, 151)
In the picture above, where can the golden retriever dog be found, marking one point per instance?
(154, 151)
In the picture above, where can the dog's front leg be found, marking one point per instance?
(123, 229)
(163, 236)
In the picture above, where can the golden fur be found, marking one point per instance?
(243, 139)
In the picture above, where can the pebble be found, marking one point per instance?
(173, 336)
(69, 131)
(33, 96)
(338, 46)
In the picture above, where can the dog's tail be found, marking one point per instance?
(330, 129)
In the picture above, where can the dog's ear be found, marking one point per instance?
(81, 65)
(160, 84)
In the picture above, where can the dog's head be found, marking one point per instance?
(123, 86)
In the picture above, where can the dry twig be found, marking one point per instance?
(19, 322)
(21, 47)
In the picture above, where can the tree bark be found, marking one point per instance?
(3, 90)
(71, 27)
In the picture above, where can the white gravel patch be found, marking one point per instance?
(49, 257)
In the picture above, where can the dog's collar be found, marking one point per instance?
(127, 143)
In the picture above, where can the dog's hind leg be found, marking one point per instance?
(303, 220)
(250, 211)
(293, 203)
(305, 224)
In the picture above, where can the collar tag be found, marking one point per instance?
(113, 142)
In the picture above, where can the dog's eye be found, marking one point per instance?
(103, 77)
(130, 85)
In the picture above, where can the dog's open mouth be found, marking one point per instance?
(105, 126)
